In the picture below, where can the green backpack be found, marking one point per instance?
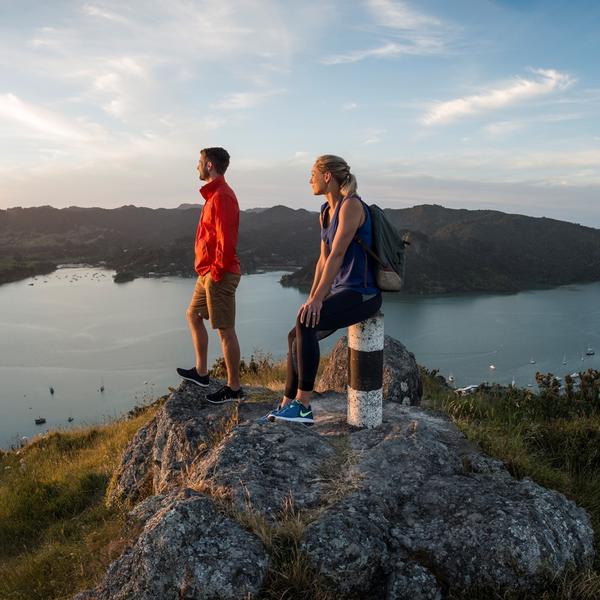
(388, 253)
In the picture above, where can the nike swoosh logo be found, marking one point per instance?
(305, 414)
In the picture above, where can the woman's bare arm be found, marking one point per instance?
(350, 219)
(319, 267)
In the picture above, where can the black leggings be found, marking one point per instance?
(339, 310)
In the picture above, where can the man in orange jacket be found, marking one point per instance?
(218, 270)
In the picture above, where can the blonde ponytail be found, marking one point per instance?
(340, 170)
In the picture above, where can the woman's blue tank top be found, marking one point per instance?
(355, 273)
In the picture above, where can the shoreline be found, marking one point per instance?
(47, 268)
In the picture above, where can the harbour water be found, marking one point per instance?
(76, 331)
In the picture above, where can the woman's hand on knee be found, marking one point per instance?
(310, 312)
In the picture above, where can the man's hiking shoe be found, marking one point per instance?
(225, 394)
(269, 417)
(296, 412)
(192, 375)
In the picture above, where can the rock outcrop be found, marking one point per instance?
(407, 510)
(187, 549)
(401, 377)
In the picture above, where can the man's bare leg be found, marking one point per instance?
(199, 340)
(231, 354)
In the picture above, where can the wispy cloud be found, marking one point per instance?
(349, 106)
(388, 50)
(400, 15)
(97, 11)
(521, 90)
(43, 122)
(373, 136)
(500, 129)
(414, 33)
(245, 100)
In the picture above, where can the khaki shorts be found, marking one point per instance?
(216, 300)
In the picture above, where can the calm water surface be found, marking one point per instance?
(75, 330)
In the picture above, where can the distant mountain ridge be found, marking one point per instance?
(452, 250)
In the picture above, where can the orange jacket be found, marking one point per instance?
(217, 233)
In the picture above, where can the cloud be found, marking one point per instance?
(557, 160)
(244, 100)
(43, 122)
(521, 90)
(136, 78)
(400, 15)
(373, 136)
(415, 33)
(501, 129)
(96, 11)
(349, 106)
(388, 50)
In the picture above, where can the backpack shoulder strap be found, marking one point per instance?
(362, 243)
(368, 250)
(324, 215)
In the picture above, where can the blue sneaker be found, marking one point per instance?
(295, 411)
(268, 418)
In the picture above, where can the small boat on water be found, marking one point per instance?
(70, 419)
(532, 362)
(590, 351)
(52, 390)
(470, 389)
(492, 367)
(564, 359)
(40, 421)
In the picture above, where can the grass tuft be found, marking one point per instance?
(551, 436)
(56, 534)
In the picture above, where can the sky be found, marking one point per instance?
(478, 104)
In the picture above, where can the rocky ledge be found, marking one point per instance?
(408, 510)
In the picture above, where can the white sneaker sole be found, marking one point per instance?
(295, 420)
(194, 381)
(226, 400)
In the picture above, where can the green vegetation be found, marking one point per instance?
(551, 437)
(16, 268)
(57, 536)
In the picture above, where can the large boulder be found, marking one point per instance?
(401, 376)
(264, 467)
(159, 456)
(187, 549)
(409, 509)
(422, 491)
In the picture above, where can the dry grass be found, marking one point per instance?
(56, 534)
(550, 437)
(290, 576)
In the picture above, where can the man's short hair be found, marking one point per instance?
(219, 157)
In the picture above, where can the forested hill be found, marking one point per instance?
(451, 250)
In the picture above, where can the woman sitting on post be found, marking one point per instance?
(343, 292)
